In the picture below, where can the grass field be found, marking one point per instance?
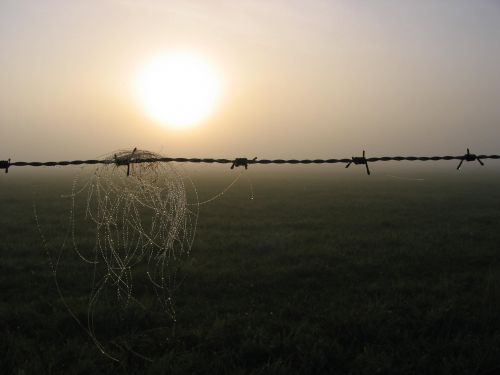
(320, 273)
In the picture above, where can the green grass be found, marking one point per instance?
(318, 274)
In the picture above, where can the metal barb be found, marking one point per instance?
(5, 164)
(242, 162)
(357, 160)
(469, 157)
(125, 161)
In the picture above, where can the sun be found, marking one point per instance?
(179, 90)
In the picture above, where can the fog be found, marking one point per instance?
(301, 78)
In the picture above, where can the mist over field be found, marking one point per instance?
(316, 272)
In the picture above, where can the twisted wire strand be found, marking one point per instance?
(6, 164)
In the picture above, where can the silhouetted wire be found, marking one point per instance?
(238, 162)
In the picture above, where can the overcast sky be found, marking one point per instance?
(302, 78)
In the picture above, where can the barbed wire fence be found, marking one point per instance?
(245, 162)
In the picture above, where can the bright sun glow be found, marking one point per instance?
(178, 90)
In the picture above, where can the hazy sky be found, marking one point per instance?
(302, 78)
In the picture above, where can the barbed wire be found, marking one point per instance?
(244, 162)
